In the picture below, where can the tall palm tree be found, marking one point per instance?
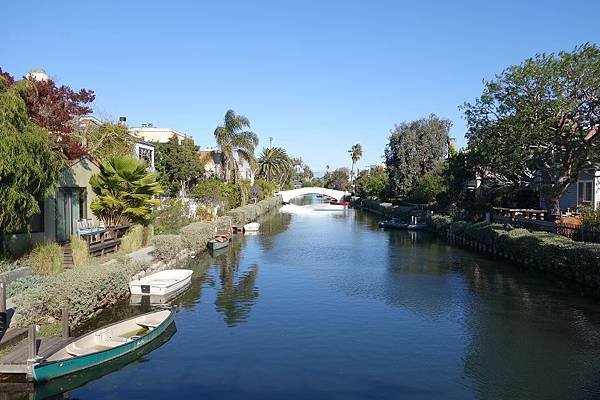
(355, 154)
(233, 137)
(273, 162)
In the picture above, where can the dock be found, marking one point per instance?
(237, 228)
(17, 361)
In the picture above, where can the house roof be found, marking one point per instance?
(79, 159)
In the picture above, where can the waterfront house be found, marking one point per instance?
(150, 133)
(60, 211)
(142, 150)
(213, 165)
(583, 193)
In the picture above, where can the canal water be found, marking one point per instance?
(325, 305)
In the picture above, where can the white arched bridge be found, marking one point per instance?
(286, 195)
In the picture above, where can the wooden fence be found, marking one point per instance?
(533, 220)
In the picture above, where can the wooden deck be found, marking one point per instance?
(15, 362)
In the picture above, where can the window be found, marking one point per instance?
(82, 204)
(584, 193)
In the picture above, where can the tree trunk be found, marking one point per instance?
(145, 234)
(553, 207)
(3, 245)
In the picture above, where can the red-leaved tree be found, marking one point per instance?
(55, 108)
(8, 79)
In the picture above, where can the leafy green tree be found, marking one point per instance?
(125, 193)
(539, 121)
(265, 188)
(414, 149)
(217, 194)
(338, 179)
(29, 170)
(355, 155)
(179, 165)
(428, 188)
(372, 183)
(315, 182)
(106, 140)
(233, 137)
(273, 162)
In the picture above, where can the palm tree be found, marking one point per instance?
(356, 154)
(273, 162)
(125, 193)
(232, 137)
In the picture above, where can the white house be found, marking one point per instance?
(149, 133)
(213, 166)
(142, 150)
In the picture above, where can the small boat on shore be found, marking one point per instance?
(397, 223)
(103, 345)
(252, 227)
(330, 207)
(340, 203)
(161, 283)
(218, 242)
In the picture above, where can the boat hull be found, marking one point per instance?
(47, 371)
(217, 245)
(330, 207)
(403, 226)
(252, 227)
(149, 287)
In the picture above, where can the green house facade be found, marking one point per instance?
(62, 210)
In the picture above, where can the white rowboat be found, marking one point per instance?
(252, 227)
(161, 283)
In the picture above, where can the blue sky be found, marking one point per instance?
(317, 76)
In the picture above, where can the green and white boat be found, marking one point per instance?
(103, 345)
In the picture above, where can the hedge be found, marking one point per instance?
(248, 213)
(196, 235)
(387, 209)
(86, 291)
(167, 246)
(578, 261)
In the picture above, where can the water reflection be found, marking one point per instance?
(238, 291)
(527, 332)
(270, 226)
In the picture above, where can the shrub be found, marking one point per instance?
(222, 223)
(81, 254)
(167, 247)
(265, 189)
(9, 265)
(46, 259)
(132, 240)
(170, 217)
(195, 236)
(250, 212)
(237, 216)
(86, 291)
(20, 285)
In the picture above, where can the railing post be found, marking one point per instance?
(66, 330)
(3, 316)
(31, 351)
